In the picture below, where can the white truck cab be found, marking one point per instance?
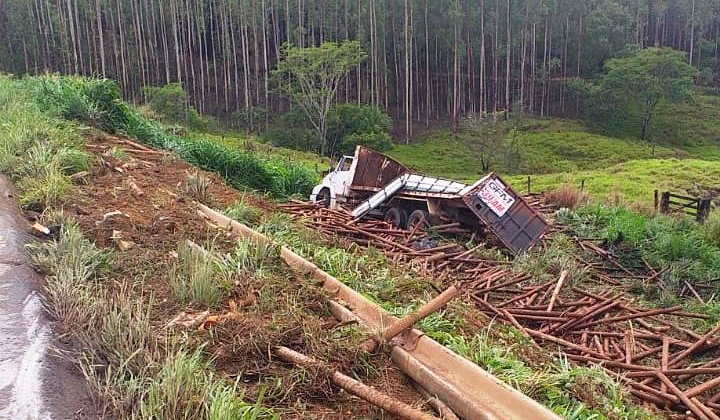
(335, 184)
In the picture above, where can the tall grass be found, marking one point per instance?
(70, 263)
(37, 150)
(197, 186)
(557, 386)
(129, 372)
(184, 389)
(194, 278)
(98, 102)
(243, 213)
(113, 339)
(711, 227)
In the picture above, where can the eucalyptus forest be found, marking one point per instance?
(427, 60)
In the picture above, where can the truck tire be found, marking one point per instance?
(396, 217)
(323, 198)
(419, 218)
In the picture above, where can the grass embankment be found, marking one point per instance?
(114, 305)
(98, 102)
(241, 141)
(131, 370)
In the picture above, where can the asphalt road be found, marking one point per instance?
(34, 382)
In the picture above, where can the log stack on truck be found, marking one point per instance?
(372, 184)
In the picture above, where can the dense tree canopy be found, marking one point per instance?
(633, 87)
(427, 59)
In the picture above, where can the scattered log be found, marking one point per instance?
(37, 227)
(602, 327)
(684, 398)
(357, 388)
(408, 321)
(556, 292)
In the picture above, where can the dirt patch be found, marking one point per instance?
(134, 202)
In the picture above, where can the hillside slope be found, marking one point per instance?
(555, 152)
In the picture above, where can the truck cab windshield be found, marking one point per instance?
(344, 164)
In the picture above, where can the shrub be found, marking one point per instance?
(197, 186)
(293, 131)
(567, 197)
(169, 101)
(375, 140)
(350, 125)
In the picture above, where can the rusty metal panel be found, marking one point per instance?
(505, 213)
(375, 170)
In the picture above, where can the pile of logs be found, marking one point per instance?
(662, 361)
(648, 348)
(417, 246)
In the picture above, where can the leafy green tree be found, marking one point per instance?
(350, 125)
(634, 87)
(171, 103)
(311, 76)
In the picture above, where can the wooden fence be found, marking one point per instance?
(670, 203)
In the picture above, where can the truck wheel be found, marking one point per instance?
(396, 217)
(323, 198)
(419, 219)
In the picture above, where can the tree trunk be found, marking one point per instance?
(692, 32)
(101, 35)
(482, 59)
(507, 63)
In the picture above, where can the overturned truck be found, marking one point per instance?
(372, 184)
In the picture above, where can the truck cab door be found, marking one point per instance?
(342, 176)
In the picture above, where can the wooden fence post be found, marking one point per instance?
(657, 200)
(703, 209)
(665, 202)
(528, 184)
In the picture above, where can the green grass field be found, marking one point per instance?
(554, 152)
(634, 180)
(542, 147)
